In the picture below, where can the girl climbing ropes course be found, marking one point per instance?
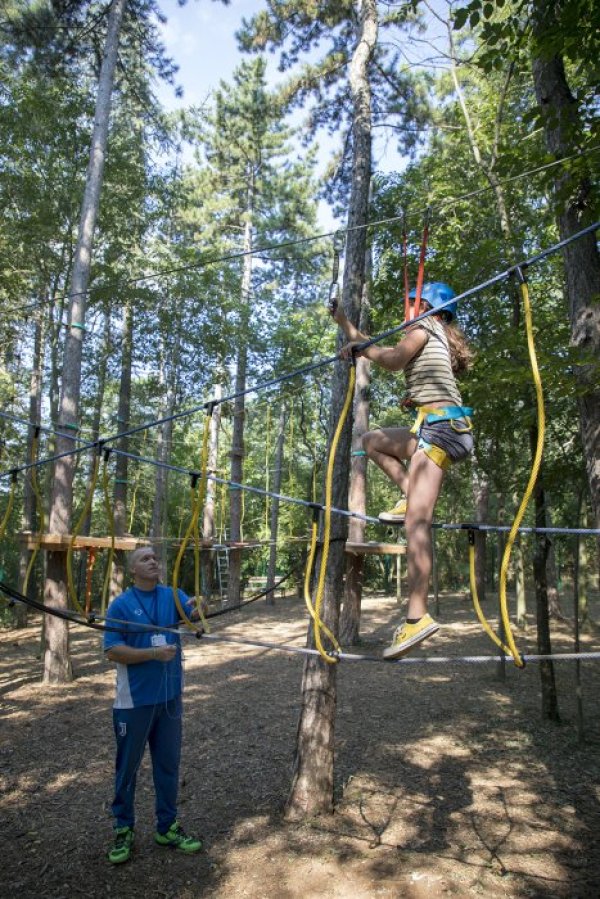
(431, 354)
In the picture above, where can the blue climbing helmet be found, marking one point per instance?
(436, 293)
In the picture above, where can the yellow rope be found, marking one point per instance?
(9, 505)
(192, 528)
(84, 512)
(327, 516)
(307, 597)
(476, 603)
(537, 461)
(40, 509)
(110, 518)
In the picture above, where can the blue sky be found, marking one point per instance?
(200, 38)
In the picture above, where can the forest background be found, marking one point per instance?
(135, 290)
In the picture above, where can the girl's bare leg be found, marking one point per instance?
(387, 447)
(425, 482)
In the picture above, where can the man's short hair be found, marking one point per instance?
(134, 556)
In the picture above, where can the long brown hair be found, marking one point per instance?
(461, 354)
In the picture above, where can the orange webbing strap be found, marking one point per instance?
(421, 271)
(406, 281)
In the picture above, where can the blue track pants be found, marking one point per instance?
(160, 727)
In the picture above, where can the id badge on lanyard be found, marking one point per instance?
(158, 640)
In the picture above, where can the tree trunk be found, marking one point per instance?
(121, 464)
(208, 516)
(29, 510)
(350, 616)
(312, 785)
(163, 455)
(239, 406)
(95, 428)
(521, 595)
(575, 201)
(274, 520)
(481, 497)
(57, 664)
(540, 559)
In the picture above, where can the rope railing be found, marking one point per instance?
(108, 623)
(359, 516)
(264, 385)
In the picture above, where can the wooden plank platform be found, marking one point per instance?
(376, 549)
(62, 541)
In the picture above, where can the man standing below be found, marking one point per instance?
(147, 708)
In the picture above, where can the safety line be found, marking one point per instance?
(294, 500)
(269, 248)
(92, 620)
(526, 263)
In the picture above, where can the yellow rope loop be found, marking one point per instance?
(193, 528)
(40, 510)
(110, 518)
(307, 597)
(76, 530)
(535, 469)
(9, 505)
(482, 619)
(327, 515)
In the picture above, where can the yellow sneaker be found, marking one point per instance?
(395, 515)
(407, 636)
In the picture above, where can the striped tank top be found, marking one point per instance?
(429, 375)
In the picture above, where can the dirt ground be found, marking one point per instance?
(448, 782)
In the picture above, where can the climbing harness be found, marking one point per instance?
(432, 414)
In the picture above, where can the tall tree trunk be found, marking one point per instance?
(481, 499)
(57, 664)
(208, 516)
(163, 455)
(521, 596)
(95, 426)
(312, 784)
(540, 559)
(29, 510)
(576, 206)
(239, 407)
(350, 615)
(274, 517)
(121, 464)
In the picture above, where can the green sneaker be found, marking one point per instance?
(121, 850)
(407, 636)
(177, 838)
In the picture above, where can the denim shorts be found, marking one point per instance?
(451, 436)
